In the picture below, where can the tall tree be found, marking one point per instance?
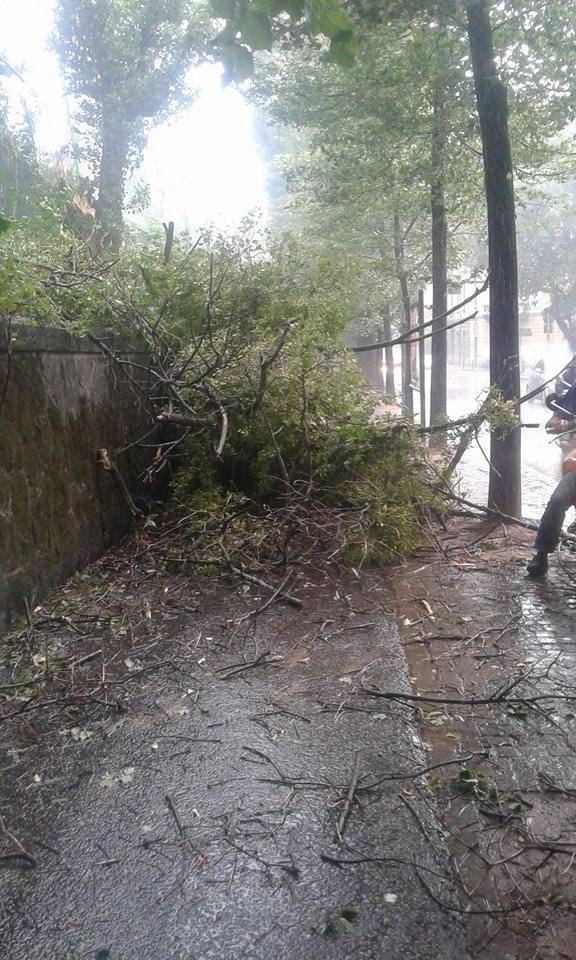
(439, 218)
(126, 62)
(505, 484)
(384, 138)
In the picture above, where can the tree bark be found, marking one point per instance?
(370, 362)
(422, 360)
(111, 180)
(407, 396)
(390, 385)
(438, 377)
(505, 492)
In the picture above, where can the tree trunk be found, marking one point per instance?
(438, 379)
(407, 396)
(112, 173)
(422, 360)
(377, 375)
(491, 96)
(390, 385)
(370, 361)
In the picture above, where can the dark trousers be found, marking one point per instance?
(550, 528)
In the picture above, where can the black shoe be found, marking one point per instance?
(538, 566)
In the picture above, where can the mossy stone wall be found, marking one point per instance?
(61, 400)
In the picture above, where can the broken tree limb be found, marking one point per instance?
(293, 601)
(498, 515)
(499, 696)
(409, 335)
(185, 420)
(268, 603)
(228, 565)
(223, 421)
(428, 323)
(108, 464)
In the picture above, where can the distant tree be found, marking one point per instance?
(21, 177)
(375, 148)
(547, 255)
(125, 61)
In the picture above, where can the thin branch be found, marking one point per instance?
(423, 326)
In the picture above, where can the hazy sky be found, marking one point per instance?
(202, 167)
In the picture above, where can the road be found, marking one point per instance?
(540, 456)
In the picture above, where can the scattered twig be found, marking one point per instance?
(171, 807)
(264, 660)
(19, 852)
(343, 818)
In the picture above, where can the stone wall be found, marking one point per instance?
(61, 401)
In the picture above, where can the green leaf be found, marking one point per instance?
(343, 49)
(238, 62)
(295, 8)
(255, 30)
(224, 8)
(270, 7)
(330, 22)
(5, 224)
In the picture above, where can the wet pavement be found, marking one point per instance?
(541, 456)
(388, 773)
(239, 798)
(477, 632)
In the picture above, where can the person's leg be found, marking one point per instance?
(550, 528)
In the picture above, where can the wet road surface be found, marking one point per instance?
(541, 456)
(503, 649)
(211, 812)
(219, 787)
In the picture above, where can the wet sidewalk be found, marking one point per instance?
(388, 772)
(492, 656)
(214, 785)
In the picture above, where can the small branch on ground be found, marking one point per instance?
(343, 818)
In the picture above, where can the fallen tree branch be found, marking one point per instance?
(107, 464)
(293, 601)
(185, 419)
(228, 565)
(409, 335)
(264, 660)
(422, 326)
(497, 514)
(499, 696)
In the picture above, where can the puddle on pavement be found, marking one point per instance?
(527, 894)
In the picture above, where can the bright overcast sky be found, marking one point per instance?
(202, 167)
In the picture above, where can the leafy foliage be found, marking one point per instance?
(126, 62)
(253, 25)
(356, 146)
(265, 410)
